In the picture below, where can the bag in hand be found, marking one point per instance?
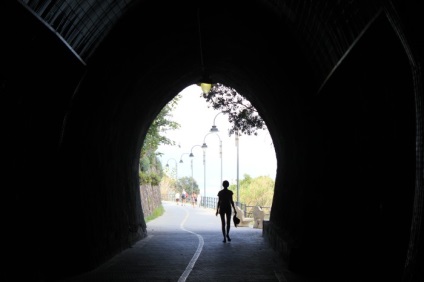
(236, 220)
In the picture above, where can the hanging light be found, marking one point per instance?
(206, 87)
(206, 82)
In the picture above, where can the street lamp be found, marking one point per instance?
(204, 146)
(181, 161)
(176, 170)
(238, 181)
(192, 156)
(181, 158)
(214, 129)
(176, 166)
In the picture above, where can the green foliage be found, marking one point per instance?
(152, 177)
(243, 117)
(162, 123)
(151, 170)
(144, 177)
(257, 191)
(155, 214)
(145, 163)
(155, 179)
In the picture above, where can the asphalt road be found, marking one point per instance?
(185, 244)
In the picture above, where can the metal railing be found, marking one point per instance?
(211, 202)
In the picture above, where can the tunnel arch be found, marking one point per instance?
(121, 86)
(378, 80)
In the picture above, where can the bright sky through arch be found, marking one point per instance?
(256, 153)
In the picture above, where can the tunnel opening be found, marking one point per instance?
(205, 140)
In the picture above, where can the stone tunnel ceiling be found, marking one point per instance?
(329, 30)
(337, 85)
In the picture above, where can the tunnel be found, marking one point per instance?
(338, 83)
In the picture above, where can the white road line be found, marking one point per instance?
(196, 255)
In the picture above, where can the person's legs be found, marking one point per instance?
(222, 215)
(228, 214)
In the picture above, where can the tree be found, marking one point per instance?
(150, 167)
(257, 191)
(243, 117)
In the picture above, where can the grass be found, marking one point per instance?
(155, 214)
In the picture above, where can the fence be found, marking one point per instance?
(211, 202)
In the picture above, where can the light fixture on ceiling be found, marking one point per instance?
(205, 82)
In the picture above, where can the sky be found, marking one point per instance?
(256, 154)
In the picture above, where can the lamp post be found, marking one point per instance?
(192, 156)
(214, 128)
(237, 139)
(176, 166)
(181, 161)
(238, 181)
(204, 146)
(181, 158)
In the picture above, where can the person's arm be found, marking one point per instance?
(232, 203)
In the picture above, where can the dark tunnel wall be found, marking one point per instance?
(38, 78)
(346, 154)
(335, 164)
(126, 85)
(360, 159)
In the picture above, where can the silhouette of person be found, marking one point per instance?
(225, 202)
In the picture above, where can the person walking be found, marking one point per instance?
(223, 207)
(193, 199)
(183, 197)
(177, 198)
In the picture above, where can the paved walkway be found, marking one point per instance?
(185, 244)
